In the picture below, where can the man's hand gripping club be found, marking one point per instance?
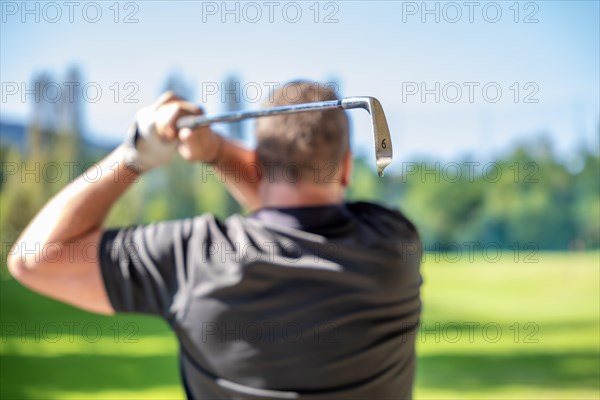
(154, 138)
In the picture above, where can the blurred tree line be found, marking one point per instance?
(526, 196)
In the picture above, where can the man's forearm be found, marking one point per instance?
(82, 206)
(239, 172)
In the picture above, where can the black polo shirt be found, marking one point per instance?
(302, 303)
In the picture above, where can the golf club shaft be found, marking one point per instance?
(192, 122)
(381, 133)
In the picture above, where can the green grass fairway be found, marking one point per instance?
(500, 329)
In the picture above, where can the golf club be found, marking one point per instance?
(381, 132)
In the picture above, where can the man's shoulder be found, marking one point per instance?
(383, 218)
(373, 208)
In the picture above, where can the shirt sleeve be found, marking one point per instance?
(145, 267)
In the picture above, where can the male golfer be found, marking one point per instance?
(307, 297)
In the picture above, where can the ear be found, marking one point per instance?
(346, 172)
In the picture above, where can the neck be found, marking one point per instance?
(300, 195)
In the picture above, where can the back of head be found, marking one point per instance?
(300, 147)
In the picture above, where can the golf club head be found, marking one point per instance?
(381, 132)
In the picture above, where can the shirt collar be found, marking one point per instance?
(312, 219)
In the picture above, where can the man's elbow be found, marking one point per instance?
(21, 266)
(15, 266)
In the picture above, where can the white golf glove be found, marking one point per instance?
(144, 149)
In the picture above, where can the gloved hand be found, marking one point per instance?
(145, 148)
(154, 138)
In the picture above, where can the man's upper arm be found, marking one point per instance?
(68, 272)
(136, 269)
(144, 268)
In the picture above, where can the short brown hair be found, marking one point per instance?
(305, 140)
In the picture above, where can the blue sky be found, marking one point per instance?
(387, 50)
